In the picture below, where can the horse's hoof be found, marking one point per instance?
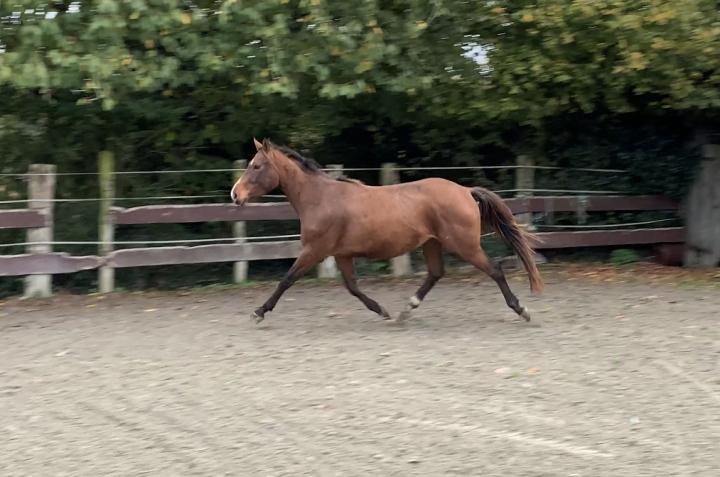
(397, 323)
(525, 313)
(404, 316)
(384, 314)
(257, 317)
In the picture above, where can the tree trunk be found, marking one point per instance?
(703, 213)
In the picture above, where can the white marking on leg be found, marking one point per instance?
(525, 313)
(407, 312)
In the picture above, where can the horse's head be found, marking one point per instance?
(260, 177)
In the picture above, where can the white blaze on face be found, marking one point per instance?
(232, 190)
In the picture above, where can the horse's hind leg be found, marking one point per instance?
(432, 251)
(347, 269)
(480, 260)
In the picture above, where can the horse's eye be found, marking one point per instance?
(256, 166)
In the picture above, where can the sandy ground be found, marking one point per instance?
(621, 379)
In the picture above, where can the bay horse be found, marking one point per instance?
(345, 218)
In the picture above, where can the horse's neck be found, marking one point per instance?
(303, 190)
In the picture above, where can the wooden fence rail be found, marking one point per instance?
(607, 203)
(44, 262)
(179, 214)
(21, 219)
(51, 263)
(185, 214)
(610, 238)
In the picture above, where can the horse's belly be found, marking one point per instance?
(386, 232)
(393, 245)
(386, 253)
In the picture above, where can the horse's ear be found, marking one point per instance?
(266, 144)
(258, 145)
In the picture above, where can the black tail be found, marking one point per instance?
(495, 213)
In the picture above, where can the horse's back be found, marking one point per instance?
(440, 195)
(385, 221)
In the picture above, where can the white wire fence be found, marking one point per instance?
(297, 236)
(158, 242)
(349, 169)
(279, 196)
(604, 226)
(535, 224)
(213, 196)
(125, 199)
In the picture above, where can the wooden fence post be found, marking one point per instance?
(549, 211)
(525, 182)
(581, 214)
(106, 227)
(240, 269)
(401, 265)
(41, 192)
(702, 212)
(328, 268)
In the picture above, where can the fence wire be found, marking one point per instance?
(528, 191)
(156, 242)
(349, 169)
(604, 226)
(296, 236)
(123, 199)
(279, 196)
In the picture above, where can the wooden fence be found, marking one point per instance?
(41, 262)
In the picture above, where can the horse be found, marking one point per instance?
(344, 218)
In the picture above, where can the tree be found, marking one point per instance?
(560, 56)
(213, 73)
(108, 50)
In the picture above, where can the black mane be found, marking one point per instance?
(309, 165)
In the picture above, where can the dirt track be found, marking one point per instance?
(621, 380)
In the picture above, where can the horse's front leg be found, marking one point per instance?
(305, 261)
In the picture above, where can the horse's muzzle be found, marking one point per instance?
(237, 200)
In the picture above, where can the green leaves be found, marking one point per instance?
(307, 67)
(278, 48)
(645, 54)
